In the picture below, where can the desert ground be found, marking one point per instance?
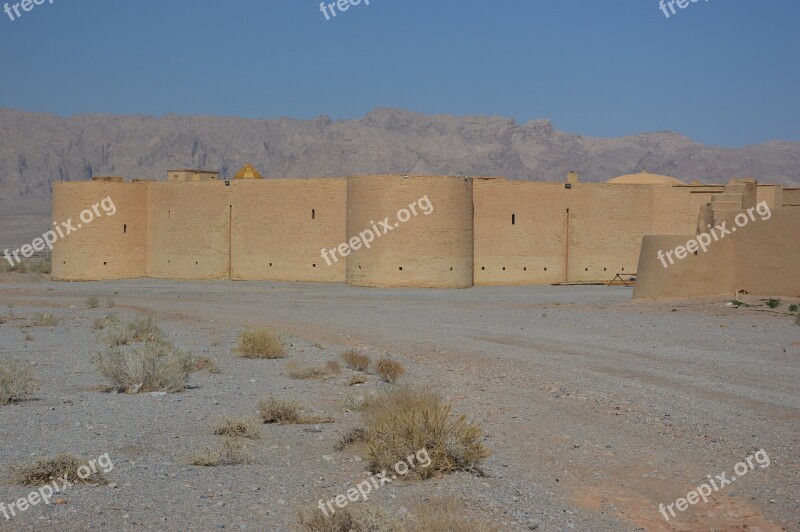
(596, 408)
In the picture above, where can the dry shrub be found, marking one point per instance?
(357, 379)
(436, 515)
(17, 381)
(350, 437)
(406, 420)
(389, 370)
(295, 371)
(274, 410)
(262, 342)
(354, 518)
(45, 470)
(231, 452)
(44, 319)
(356, 360)
(99, 324)
(238, 427)
(206, 364)
(147, 368)
(319, 346)
(139, 329)
(93, 302)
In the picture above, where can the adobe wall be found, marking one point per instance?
(676, 208)
(109, 246)
(705, 274)
(433, 250)
(758, 258)
(189, 230)
(522, 230)
(531, 247)
(791, 196)
(768, 254)
(279, 227)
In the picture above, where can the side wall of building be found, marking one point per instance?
(427, 250)
(537, 233)
(108, 246)
(757, 258)
(189, 230)
(280, 226)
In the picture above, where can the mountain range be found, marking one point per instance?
(39, 149)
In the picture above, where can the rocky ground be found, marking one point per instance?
(596, 408)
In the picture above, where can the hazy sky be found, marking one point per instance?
(723, 72)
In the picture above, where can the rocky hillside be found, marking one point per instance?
(38, 149)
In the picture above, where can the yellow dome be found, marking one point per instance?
(248, 172)
(644, 178)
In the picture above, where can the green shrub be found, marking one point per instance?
(773, 303)
(794, 308)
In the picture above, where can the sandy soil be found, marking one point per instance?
(596, 408)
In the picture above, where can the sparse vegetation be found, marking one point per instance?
(43, 471)
(238, 427)
(405, 420)
(29, 337)
(276, 411)
(206, 364)
(357, 379)
(354, 518)
(44, 319)
(262, 342)
(797, 320)
(350, 437)
(17, 381)
(93, 302)
(356, 360)
(295, 371)
(146, 368)
(319, 346)
(737, 303)
(389, 370)
(109, 302)
(773, 303)
(443, 514)
(139, 329)
(231, 452)
(794, 308)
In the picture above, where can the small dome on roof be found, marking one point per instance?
(645, 178)
(248, 172)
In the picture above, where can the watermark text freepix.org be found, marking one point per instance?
(682, 4)
(703, 240)
(62, 230)
(46, 492)
(377, 481)
(342, 5)
(718, 482)
(366, 237)
(25, 5)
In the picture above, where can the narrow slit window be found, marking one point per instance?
(513, 219)
(125, 229)
(313, 214)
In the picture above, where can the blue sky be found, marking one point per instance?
(723, 72)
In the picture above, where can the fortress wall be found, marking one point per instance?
(791, 196)
(279, 227)
(607, 223)
(109, 246)
(767, 254)
(433, 250)
(705, 274)
(772, 194)
(531, 250)
(758, 258)
(189, 230)
(676, 208)
(603, 222)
